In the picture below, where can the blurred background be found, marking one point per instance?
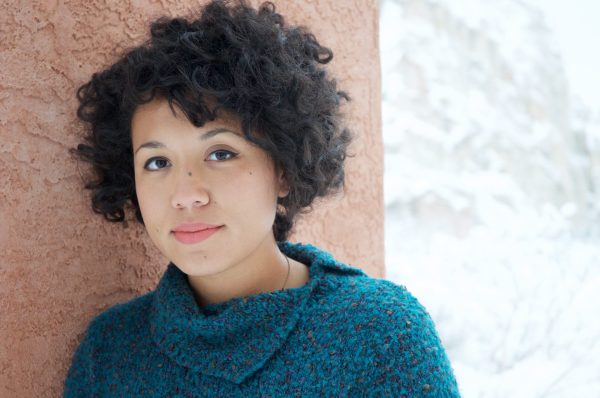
(491, 127)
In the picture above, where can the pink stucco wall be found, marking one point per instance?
(62, 264)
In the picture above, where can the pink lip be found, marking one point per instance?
(194, 233)
(193, 227)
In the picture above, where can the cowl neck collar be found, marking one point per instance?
(235, 338)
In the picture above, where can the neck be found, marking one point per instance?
(264, 270)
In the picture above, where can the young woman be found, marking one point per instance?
(218, 132)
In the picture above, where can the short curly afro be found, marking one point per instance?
(248, 62)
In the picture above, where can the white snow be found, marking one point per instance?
(492, 189)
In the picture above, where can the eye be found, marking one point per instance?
(154, 164)
(221, 153)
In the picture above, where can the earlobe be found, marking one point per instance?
(284, 191)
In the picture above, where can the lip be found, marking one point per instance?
(190, 233)
(193, 227)
(191, 237)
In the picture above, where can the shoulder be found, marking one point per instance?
(347, 287)
(385, 303)
(105, 337)
(119, 323)
(401, 349)
(394, 305)
(126, 313)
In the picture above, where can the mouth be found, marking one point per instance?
(195, 236)
(194, 227)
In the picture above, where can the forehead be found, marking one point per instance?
(157, 118)
(159, 109)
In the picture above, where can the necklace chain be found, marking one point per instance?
(288, 273)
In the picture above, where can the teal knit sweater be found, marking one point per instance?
(343, 334)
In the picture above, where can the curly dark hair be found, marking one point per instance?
(248, 62)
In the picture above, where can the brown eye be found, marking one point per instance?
(222, 154)
(154, 164)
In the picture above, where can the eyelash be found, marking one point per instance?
(233, 155)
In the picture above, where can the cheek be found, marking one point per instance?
(148, 200)
(253, 191)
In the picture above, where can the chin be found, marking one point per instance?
(200, 268)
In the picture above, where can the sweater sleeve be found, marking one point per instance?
(80, 381)
(412, 361)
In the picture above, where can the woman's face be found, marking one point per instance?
(210, 174)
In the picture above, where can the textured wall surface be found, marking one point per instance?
(62, 264)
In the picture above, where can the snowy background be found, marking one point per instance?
(491, 125)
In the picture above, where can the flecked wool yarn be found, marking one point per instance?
(342, 334)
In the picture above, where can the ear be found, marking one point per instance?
(284, 188)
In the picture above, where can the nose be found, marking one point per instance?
(188, 192)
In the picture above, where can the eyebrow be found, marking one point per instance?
(209, 134)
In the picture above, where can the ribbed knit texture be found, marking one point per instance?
(343, 334)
